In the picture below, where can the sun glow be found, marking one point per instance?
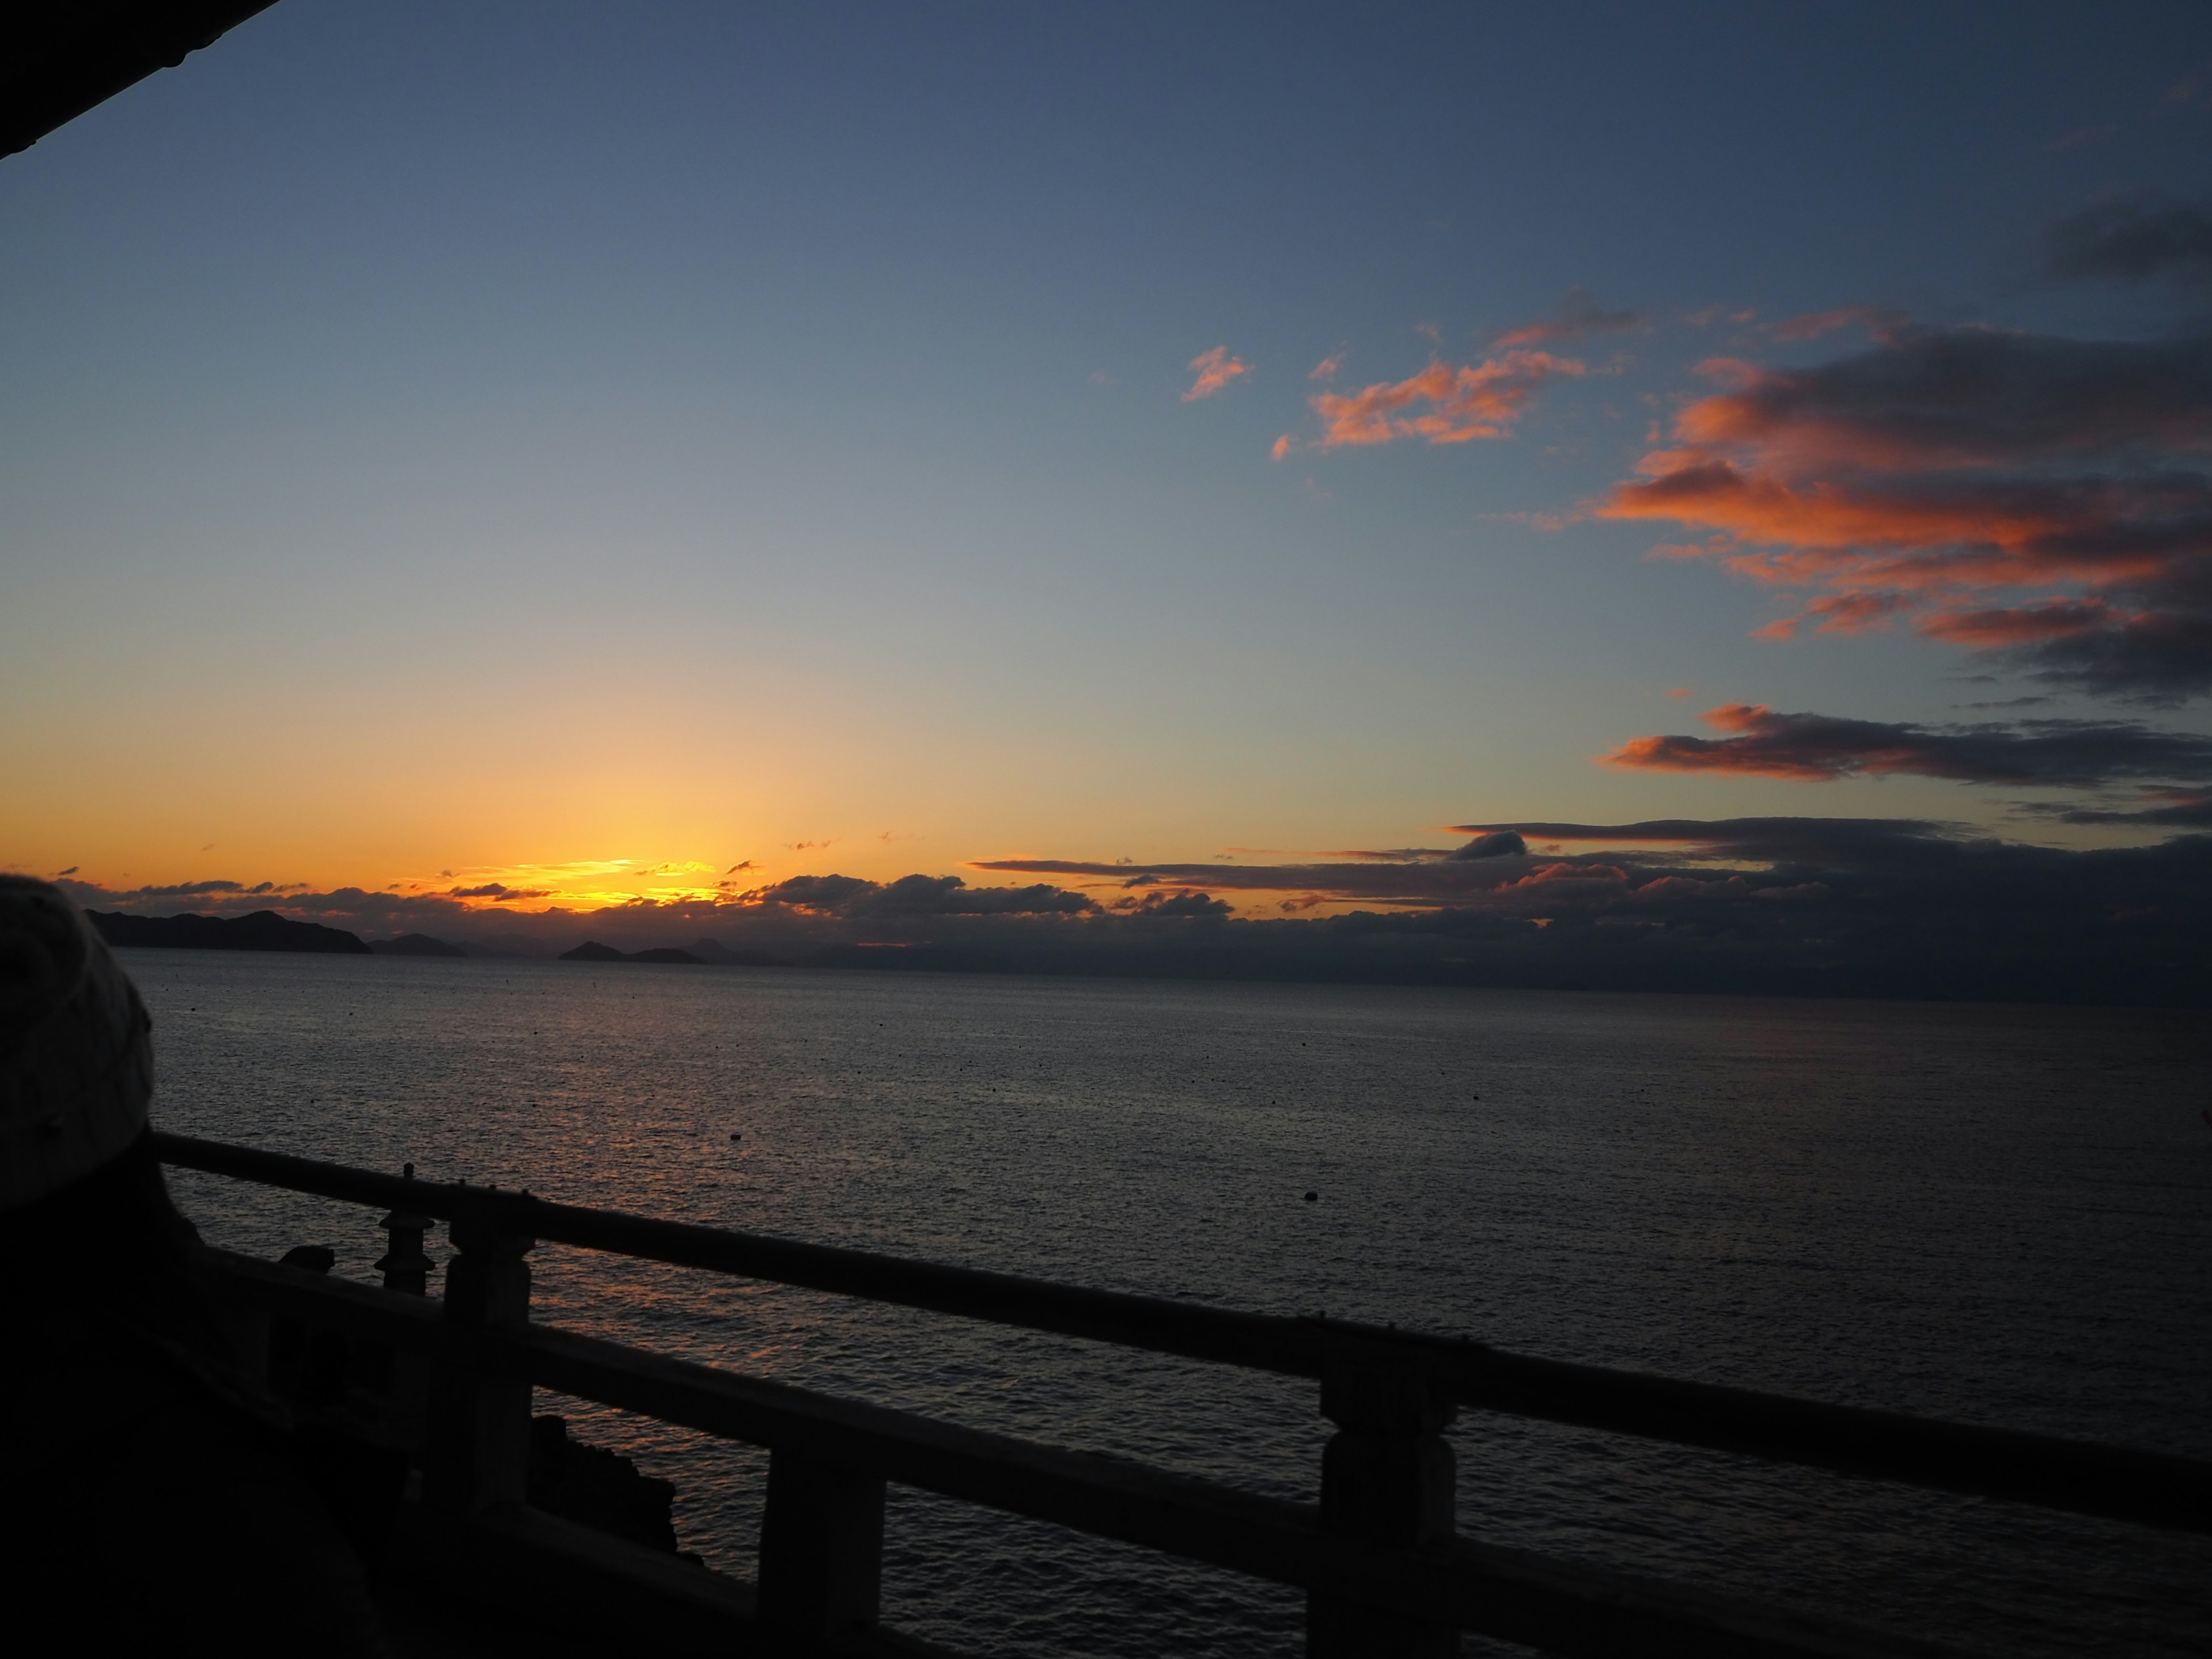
(590, 884)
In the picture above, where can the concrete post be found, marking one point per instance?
(821, 1548)
(1387, 1477)
(479, 1435)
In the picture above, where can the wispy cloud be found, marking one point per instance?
(1215, 369)
(1579, 317)
(1879, 321)
(1759, 742)
(2136, 237)
(2082, 137)
(1441, 404)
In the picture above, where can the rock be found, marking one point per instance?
(597, 1488)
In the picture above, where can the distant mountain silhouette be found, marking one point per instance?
(597, 952)
(265, 930)
(414, 945)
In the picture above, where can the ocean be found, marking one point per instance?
(1994, 1214)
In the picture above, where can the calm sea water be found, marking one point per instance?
(1993, 1214)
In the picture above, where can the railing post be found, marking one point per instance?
(822, 1547)
(1387, 1478)
(479, 1439)
(404, 1379)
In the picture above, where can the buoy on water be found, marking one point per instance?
(1310, 1197)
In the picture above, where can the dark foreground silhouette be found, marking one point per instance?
(151, 1488)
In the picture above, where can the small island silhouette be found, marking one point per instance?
(591, 951)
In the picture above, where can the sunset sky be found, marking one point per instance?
(535, 453)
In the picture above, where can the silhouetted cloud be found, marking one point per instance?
(1917, 479)
(1821, 748)
(1498, 844)
(499, 892)
(1216, 369)
(916, 896)
(1579, 317)
(2177, 809)
(193, 890)
(1189, 907)
(2136, 237)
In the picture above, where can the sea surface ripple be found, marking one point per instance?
(1993, 1214)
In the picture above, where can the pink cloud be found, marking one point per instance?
(1441, 404)
(1907, 480)
(1216, 369)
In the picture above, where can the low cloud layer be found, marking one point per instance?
(2047, 500)
(1759, 742)
(1810, 905)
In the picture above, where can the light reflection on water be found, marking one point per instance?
(1991, 1214)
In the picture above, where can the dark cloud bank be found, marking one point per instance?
(1852, 907)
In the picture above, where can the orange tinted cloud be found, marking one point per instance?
(1441, 404)
(1327, 367)
(1908, 480)
(1216, 369)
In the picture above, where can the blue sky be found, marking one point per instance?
(500, 437)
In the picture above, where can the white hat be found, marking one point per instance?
(76, 1050)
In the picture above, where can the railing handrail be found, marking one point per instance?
(2155, 1489)
(1562, 1605)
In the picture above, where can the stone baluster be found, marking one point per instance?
(479, 1433)
(404, 1378)
(404, 1266)
(1387, 1478)
(821, 1548)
